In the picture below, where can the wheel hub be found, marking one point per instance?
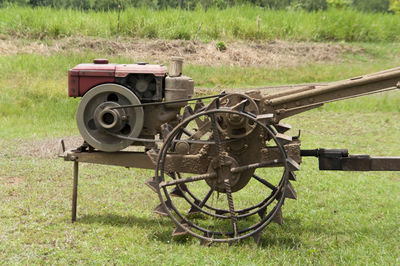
(110, 119)
(222, 167)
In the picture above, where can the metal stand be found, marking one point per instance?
(126, 159)
(75, 191)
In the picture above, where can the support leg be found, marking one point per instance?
(75, 191)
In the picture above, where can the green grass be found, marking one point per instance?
(232, 23)
(33, 88)
(339, 217)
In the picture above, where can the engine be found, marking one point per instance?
(103, 118)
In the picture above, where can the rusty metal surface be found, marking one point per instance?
(75, 191)
(292, 149)
(291, 102)
(175, 162)
(121, 158)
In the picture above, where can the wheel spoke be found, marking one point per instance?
(216, 137)
(231, 206)
(187, 180)
(203, 202)
(198, 205)
(255, 166)
(264, 182)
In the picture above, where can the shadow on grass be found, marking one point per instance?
(288, 236)
(160, 228)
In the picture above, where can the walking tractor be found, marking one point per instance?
(223, 164)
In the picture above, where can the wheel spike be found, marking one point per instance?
(176, 192)
(181, 229)
(257, 237)
(290, 192)
(171, 174)
(193, 209)
(278, 217)
(283, 139)
(292, 176)
(293, 165)
(282, 128)
(183, 187)
(205, 242)
(187, 111)
(262, 212)
(161, 210)
(199, 105)
(152, 183)
(165, 130)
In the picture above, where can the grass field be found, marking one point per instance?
(339, 217)
(247, 23)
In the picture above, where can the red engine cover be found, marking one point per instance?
(83, 77)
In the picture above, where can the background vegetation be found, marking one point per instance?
(309, 5)
(235, 23)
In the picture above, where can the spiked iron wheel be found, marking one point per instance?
(225, 211)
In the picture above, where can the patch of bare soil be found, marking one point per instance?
(257, 53)
(47, 148)
(13, 180)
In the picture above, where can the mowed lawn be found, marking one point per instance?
(339, 217)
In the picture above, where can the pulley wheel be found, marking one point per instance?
(100, 124)
(234, 125)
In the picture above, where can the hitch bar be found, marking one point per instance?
(339, 159)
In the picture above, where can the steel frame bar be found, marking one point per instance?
(75, 191)
(360, 163)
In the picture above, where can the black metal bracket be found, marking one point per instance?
(339, 159)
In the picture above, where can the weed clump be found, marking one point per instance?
(220, 46)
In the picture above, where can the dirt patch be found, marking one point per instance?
(47, 148)
(13, 180)
(258, 53)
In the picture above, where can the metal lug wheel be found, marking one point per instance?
(239, 194)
